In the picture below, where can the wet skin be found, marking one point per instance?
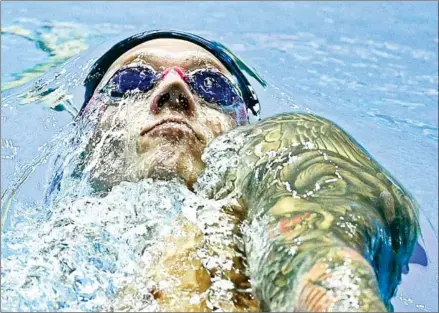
(329, 229)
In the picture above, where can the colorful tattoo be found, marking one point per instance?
(327, 227)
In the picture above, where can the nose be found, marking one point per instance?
(174, 94)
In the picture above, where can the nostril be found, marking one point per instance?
(163, 99)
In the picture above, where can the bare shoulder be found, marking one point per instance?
(298, 132)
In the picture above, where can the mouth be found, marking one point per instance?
(176, 128)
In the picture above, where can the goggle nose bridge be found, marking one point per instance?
(176, 69)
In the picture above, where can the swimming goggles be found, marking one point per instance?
(209, 84)
(233, 64)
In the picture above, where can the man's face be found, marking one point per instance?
(160, 133)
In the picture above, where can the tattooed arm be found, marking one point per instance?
(306, 263)
(328, 228)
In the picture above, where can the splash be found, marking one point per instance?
(78, 253)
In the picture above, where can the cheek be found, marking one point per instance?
(220, 123)
(131, 116)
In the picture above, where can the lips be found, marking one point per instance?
(174, 127)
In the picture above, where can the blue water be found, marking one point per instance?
(371, 67)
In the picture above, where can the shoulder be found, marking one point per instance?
(298, 121)
(305, 131)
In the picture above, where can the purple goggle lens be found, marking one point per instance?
(209, 84)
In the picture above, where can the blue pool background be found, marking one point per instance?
(370, 67)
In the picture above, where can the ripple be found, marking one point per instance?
(9, 149)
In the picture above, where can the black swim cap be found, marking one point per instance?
(230, 61)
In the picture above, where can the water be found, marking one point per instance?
(92, 247)
(370, 67)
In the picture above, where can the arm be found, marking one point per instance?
(328, 228)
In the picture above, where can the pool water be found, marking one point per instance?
(370, 67)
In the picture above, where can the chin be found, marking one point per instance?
(167, 164)
(164, 161)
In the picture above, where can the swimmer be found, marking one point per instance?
(336, 227)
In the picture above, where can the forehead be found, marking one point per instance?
(163, 53)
